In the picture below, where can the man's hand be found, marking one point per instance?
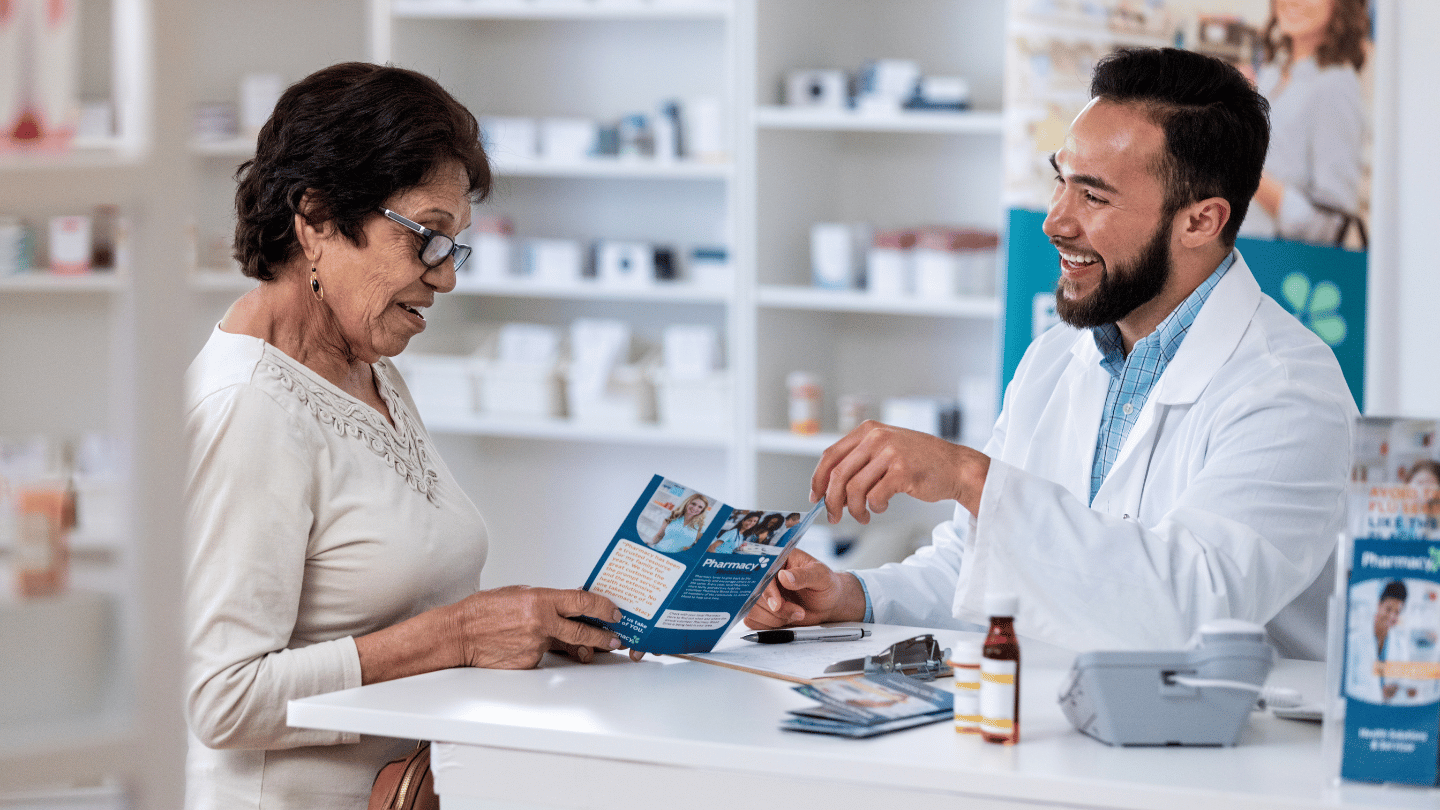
(807, 591)
(875, 461)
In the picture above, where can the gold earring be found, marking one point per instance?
(315, 286)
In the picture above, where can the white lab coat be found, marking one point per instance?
(1225, 500)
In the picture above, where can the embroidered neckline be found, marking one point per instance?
(402, 446)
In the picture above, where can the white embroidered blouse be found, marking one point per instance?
(311, 520)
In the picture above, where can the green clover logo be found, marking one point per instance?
(1316, 306)
(1434, 559)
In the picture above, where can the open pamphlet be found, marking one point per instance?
(1390, 689)
(683, 568)
(867, 705)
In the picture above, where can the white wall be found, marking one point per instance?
(1406, 318)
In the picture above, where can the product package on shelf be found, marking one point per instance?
(1390, 686)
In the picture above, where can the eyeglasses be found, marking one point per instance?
(437, 247)
(920, 657)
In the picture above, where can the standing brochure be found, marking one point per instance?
(683, 568)
(1390, 687)
(867, 705)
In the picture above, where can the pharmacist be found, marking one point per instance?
(1176, 451)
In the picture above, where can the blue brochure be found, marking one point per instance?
(684, 568)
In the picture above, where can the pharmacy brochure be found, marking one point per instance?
(683, 568)
(867, 705)
(1390, 688)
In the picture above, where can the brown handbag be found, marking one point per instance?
(405, 783)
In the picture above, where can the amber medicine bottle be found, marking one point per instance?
(1000, 672)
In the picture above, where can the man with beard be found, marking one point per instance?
(1176, 452)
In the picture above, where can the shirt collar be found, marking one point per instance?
(1168, 334)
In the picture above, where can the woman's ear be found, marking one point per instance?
(312, 237)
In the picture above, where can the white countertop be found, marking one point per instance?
(671, 712)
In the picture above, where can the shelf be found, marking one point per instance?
(213, 280)
(41, 281)
(577, 10)
(566, 430)
(814, 298)
(638, 168)
(781, 117)
(83, 153)
(793, 444)
(678, 293)
(233, 147)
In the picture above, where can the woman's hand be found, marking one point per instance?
(511, 628)
(504, 628)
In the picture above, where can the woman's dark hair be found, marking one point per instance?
(352, 135)
(1216, 124)
(1344, 40)
(1394, 589)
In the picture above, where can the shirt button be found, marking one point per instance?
(1128, 409)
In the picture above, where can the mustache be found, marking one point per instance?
(1061, 244)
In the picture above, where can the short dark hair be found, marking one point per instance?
(353, 135)
(1394, 589)
(1216, 124)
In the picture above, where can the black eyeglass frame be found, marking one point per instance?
(459, 251)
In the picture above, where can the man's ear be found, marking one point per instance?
(312, 237)
(1203, 221)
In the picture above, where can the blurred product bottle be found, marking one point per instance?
(804, 402)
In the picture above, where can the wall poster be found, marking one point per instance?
(1305, 236)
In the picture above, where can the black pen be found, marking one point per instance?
(807, 634)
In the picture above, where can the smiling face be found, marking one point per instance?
(1303, 19)
(748, 522)
(694, 508)
(1387, 615)
(378, 291)
(1107, 215)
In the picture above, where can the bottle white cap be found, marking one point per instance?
(1001, 604)
(967, 651)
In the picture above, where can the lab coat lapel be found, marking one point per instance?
(1063, 445)
(1212, 338)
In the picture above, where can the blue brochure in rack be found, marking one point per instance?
(683, 568)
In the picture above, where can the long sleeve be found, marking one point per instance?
(249, 518)
(1325, 140)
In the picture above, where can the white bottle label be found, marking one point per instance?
(997, 696)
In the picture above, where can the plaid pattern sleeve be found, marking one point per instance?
(1133, 377)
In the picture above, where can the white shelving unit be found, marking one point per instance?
(788, 168)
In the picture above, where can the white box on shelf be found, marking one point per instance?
(703, 125)
(694, 404)
(816, 88)
(553, 261)
(568, 140)
(936, 272)
(441, 383)
(519, 389)
(625, 397)
(624, 264)
(690, 351)
(888, 272)
(836, 249)
(70, 245)
(509, 137)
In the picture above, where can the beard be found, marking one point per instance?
(1123, 287)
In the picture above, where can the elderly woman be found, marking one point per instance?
(331, 547)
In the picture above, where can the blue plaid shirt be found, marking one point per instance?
(1132, 378)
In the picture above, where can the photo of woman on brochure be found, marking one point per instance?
(681, 524)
